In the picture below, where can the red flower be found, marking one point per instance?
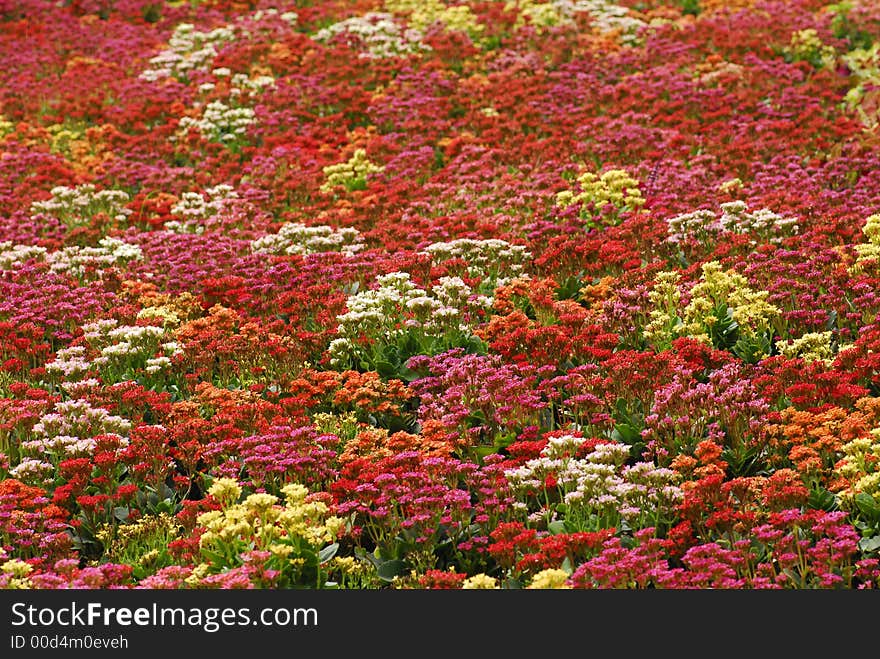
(92, 502)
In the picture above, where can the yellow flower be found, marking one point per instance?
(615, 187)
(806, 45)
(282, 551)
(749, 308)
(334, 526)
(260, 502)
(258, 522)
(870, 251)
(234, 530)
(565, 198)
(167, 316)
(549, 579)
(344, 426)
(347, 564)
(540, 15)
(730, 184)
(294, 493)
(149, 557)
(870, 484)
(423, 13)
(480, 582)
(811, 347)
(268, 534)
(6, 126)
(16, 568)
(346, 173)
(198, 573)
(664, 298)
(860, 467)
(226, 490)
(210, 518)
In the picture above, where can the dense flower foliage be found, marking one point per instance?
(440, 294)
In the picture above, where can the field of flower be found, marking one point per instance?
(425, 294)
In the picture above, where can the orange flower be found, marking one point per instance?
(367, 392)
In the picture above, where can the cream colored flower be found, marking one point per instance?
(550, 579)
(226, 490)
(480, 582)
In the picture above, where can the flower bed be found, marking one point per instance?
(416, 295)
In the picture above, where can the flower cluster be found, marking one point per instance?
(297, 238)
(377, 33)
(422, 14)
(613, 191)
(69, 431)
(598, 491)
(351, 174)
(723, 311)
(287, 541)
(188, 50)
(806, 45)
(78, 205)
(735, 216)
(221, 122)
(407, 319)
(194, 208)
(493, 261)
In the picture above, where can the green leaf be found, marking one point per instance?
(328, 552)
(868, 506)
(556, 527)
(476, 418)
(361, 554)
(407, 374)
(831, 323)
(627, 433)
(569, 288)
(691, 7)
(503, 440)
(752, 349)
(386, 369)
(215, 557)
(390, 569)
(724, 330)
(870, 545)
(822, 499)
(748, 461)
(359, 183)
(165, 506)
(513, 583)
(482, 451)
(621, 409)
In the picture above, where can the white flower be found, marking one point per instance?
(298, 238)
(379, 34)
(31, 470)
